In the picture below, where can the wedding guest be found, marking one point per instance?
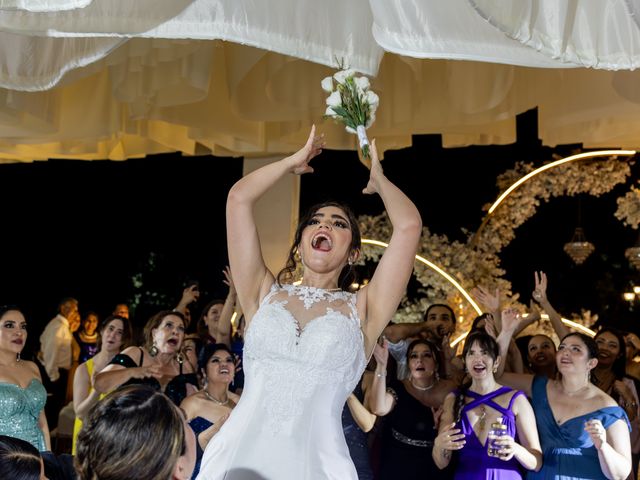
(583, 431)
(214, 325)
(87, 337)
(112, 335)
(19, 460)
(470, 413)
(207, 409)
(357, 422)
(438, 325)
(158, 363)
(135, 432)
(632, 343)
(22, 395)
(409, 405)
(56, 355)
(541, 356)
(190, 295)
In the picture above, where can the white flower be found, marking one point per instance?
(329, 112)
(342, 75)
(334, 99)
(350, 130)
(362, 83)
(372, 99)
(327, 84)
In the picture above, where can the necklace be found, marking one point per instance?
(482, 420)
(422, 389)
(215, 400)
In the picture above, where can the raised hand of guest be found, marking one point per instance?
(490, 300)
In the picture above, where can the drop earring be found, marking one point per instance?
(153, 351)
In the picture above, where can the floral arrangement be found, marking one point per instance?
(629, 208)
(352, 103)
(476, 261)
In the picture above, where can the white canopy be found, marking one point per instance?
(120, 78)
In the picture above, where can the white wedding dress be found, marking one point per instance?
(287, 424)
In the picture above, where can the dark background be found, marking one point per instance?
(86, 229)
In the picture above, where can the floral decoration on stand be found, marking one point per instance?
(352, 103)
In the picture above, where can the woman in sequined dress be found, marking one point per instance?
(306, 344)
(22, 396)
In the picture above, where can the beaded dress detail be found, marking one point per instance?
(303, 356)
(20, 410)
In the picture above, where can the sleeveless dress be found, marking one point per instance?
(198, 425)
(407, 440)
(287, 424)
(357, 440)
(567, 450)
(19, 412)
(87, 349)
(176, 389)
(473, 462)
(77, 424)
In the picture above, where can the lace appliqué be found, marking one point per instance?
(311, 295)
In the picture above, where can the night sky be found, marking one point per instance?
(84, 229)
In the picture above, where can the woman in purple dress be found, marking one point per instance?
(470, 412)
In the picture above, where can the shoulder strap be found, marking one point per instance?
(141, 357)
(513, 397)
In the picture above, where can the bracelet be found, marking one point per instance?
(381, 375)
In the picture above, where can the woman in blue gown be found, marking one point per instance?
(583, 432)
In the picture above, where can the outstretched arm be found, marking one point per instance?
(387, 286)
(519, 381)
(223, 331)
(540, 296)
(250, 274)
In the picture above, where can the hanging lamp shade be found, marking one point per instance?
(579, 248)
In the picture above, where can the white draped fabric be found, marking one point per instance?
(118, 79)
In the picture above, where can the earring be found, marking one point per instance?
(180, 358)
(17, 357)
(350, 262)
(153, 351)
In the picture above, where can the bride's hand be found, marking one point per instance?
(299, 161)
(376, 173)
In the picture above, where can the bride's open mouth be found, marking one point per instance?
(322, 242)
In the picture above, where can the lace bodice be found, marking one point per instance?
(303, 356)
(301, 339)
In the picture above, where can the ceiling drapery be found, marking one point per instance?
(118, 79)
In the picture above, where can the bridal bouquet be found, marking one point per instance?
(352, 103)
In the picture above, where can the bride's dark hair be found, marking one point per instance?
(286, 275)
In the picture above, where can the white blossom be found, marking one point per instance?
(342, 75)
(327, 84)
(371, 98)
(334, 99)
(362, 83)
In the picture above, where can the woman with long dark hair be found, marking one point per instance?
(306, 344)
(22, 394)
(409, 408)
(471, 413)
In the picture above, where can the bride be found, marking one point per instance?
(306, 345)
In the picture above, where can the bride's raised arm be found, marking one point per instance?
(378, 301)
(250, 274)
